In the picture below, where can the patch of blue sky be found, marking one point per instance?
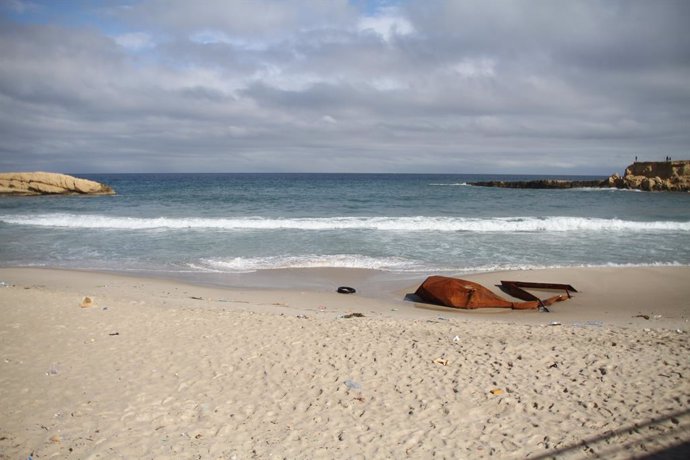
(371, 7)
(102, 14)
(73, 13)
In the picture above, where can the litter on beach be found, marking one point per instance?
(352, 385)
(352, 315)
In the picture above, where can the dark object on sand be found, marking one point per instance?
(353, 315)
(458, 293)
(346, 290)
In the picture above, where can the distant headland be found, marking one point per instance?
(43, 183)
(672, 176)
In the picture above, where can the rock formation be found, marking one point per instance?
(542, 184)
(671, 176)
(43, 183)
(654, 175)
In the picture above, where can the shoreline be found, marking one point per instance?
(165, 369)
(611, 295)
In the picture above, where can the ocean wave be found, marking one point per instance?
(454, 184)
(249, 264)
(528, 267)
(390, 264)
(603, 189)
(342, 261)
(399, 224)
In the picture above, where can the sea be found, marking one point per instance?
(193, 225)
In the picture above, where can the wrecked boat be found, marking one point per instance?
(459, 293)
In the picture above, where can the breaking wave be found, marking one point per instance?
(453, 184)
(602, 189)
(402, 224)
(391, 264)
(242, 264)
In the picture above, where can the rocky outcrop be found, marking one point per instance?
(43, 183)
(671, 176)
(541, 184)
(654, 176)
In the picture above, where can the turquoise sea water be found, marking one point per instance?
(218, 223)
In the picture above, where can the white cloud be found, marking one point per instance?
(254, 19)
(388, 84)
(19, 6)
(471, 68)
(288, 78)
(410, 88)
(207, 37)
(387, 23)
(210, 37)
(135, 41)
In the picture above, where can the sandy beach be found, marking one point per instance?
(162, 369)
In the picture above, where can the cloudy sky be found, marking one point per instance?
(485, 86)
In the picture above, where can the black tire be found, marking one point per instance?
(346, 290)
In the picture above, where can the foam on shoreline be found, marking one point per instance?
(391, 224)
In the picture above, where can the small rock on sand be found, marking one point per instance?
(87, 302)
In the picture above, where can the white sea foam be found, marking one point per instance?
(602, 189)
(391, 264)
(526, 267)
(401, 224)
(454, 184)
(245, 264)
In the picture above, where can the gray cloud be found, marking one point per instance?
(490, 86)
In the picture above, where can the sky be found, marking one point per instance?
(428, 86)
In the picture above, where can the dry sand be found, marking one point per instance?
(162, 369)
